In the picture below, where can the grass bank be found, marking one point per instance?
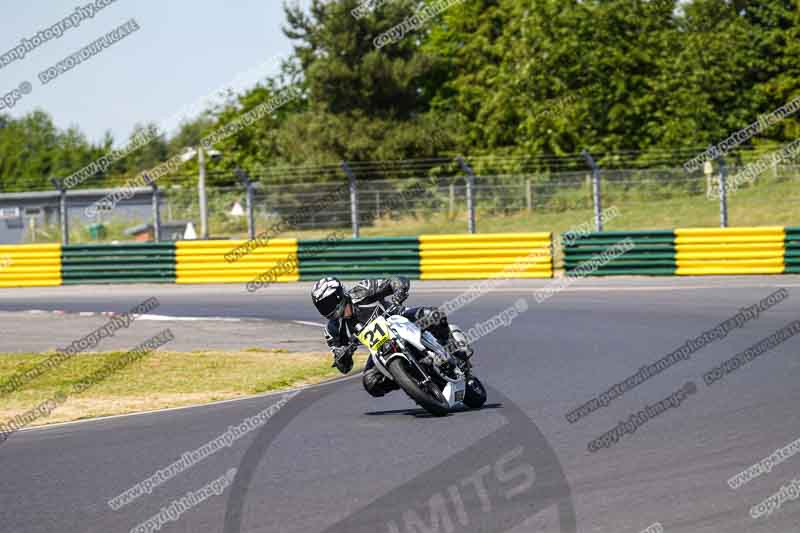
(160, 380)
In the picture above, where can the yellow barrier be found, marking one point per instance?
(707, 251)
(490, 255)
(204, 261)
(31, 265)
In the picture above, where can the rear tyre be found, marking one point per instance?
(430, 398)
(475, 393)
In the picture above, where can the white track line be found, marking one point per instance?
(307, 323)
(150, 317)
(166, 318)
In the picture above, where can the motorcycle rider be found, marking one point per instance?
(345, 309)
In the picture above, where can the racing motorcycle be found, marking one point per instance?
(418, 363)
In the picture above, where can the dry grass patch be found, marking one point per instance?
(159, 380)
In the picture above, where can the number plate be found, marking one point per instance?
(374, 334)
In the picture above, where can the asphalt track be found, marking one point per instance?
(334, 459)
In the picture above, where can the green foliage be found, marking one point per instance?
(32, 150)
(500, 77)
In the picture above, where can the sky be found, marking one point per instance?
(183, 52)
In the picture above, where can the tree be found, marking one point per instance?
(363, 102)
(32, 150)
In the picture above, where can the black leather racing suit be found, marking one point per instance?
(364, 296)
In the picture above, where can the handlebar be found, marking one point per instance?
(393, 309)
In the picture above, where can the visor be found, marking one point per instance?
(338, 311)
(332, 306)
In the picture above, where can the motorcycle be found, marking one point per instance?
(413, 358)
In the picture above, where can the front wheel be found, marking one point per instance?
(429, 398)
(475, 395)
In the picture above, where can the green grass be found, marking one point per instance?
(160, 380)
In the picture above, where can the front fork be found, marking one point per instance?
(381, 364)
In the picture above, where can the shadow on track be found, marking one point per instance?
(421, 413)
(538, 478)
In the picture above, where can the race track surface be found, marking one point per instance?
(334, 459)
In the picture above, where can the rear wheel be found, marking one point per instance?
(475, 394)
(429, 397)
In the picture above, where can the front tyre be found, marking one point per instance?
(430, 398)
(475, 394)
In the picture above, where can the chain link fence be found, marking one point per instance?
(414, 200)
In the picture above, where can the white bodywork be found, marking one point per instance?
(410, 333)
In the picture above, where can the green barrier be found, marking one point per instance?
(653, 253)
(349, 259)
(118, 263)
(791, 258)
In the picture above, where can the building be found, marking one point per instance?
(20, 212)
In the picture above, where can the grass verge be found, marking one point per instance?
(160, 380)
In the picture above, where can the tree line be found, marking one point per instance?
(510, 78)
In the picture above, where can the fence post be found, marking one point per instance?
(62, 209)
(251, 221)
(528, 195)
(471, 204)
(378, 204)
(156, 210)
(353, 197)
(598, 221)
(470, 194)
(452, 210)
(723, 197)
(201, 188)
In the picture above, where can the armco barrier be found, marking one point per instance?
(513, 255)
(360, 258)
(704, 251)
(30, 265)
(791, 259)
(204, 261)
(653, 253)
(687, 251)
(118, 263)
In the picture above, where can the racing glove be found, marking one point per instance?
(400, 288)
(399, 297)
(343, 358)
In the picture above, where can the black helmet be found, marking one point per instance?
(329, 297)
